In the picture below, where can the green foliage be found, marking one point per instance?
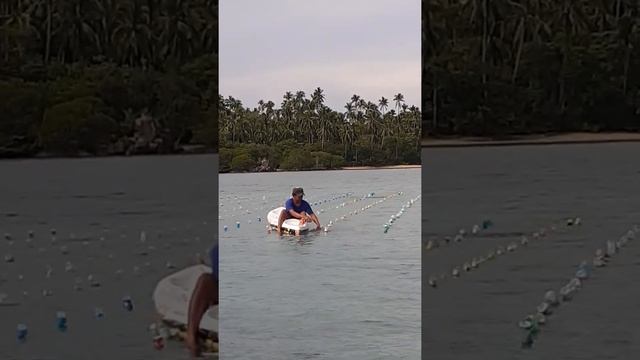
(74, 126)
(207, 131)
(20, 109)
(297, 160)
(324, 160)
(68, 89)
(160, 35)
(117, 95)
(336, 162)
(242, 162)
(134, 57)
(203, 71)
(178, 102)
(225, 156)
(302, 126)
(541, 72)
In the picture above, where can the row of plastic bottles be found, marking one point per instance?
(459, 237)
(397, 215)
(567, 291)
(225, 228)
(357, 211)
(232, 213)
(62, 323)
(475, 262)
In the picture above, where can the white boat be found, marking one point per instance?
(171, 298)
(290, 225)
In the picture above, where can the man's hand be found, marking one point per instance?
(315, 219)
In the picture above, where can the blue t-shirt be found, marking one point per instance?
(304, 206)
(213, 254)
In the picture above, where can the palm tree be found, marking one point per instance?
(47, 51)
(107, 11)
(176, 32)
(317, 98)
(76, 30)
(399, 99)
(365, 130)
(383, 103)
(572, 21)
(209, 27)
(355, 99)
(17, 26)
(133, 34)
(76, 33)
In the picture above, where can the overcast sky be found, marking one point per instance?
(365, 47)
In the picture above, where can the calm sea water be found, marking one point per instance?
(173, 199)
(350, 293)
(522, 189)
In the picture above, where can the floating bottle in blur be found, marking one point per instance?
(127, 303)
(158, 342)
(21, 332)
(61, 321)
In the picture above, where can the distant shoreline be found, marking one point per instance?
(387, 167)
(384, 167)
(50, 156)
(540, 139)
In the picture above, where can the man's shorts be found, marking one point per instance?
(287, 215)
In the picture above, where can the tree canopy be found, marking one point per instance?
(304, 133)
(501, 67)
(82, 75)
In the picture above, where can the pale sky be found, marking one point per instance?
(365, 47)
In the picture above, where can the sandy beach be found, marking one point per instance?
(542, 139)
(386, 167)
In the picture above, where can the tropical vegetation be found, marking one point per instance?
(304, 133)
(503, 67)
(107, 76)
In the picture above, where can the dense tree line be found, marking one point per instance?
(107, 76)
(502, 67)
(302, 132)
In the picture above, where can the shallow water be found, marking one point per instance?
(522, 189)
(351, 293)
(172, 198)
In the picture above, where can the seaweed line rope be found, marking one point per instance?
(493, 254)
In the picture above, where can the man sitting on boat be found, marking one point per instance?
(296, 208)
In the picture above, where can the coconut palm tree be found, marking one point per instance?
(364, 131)
(133, 34)
(17, 25)
(76, 34)
(399, 100)
(383, 103)
(107, 11)
(177, 35)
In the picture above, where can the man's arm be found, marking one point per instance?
(289, 207)
(316, 220)
(295, 214)
(312, 216)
